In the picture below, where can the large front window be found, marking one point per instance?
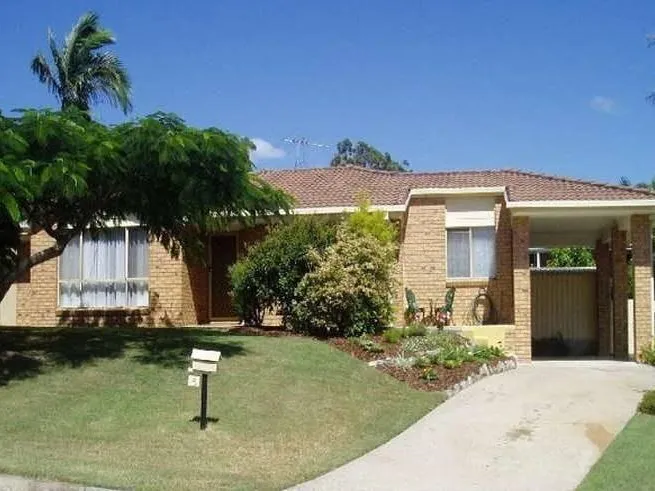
(108, 268)
(471, 252)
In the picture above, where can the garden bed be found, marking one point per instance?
(434, 362)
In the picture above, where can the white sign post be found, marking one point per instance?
(203, 362)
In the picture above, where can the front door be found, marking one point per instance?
(223, 255)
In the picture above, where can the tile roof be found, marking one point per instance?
(341, 186)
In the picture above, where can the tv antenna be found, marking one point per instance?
(301, 144)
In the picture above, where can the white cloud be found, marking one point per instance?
(265, 150)
(603, 104)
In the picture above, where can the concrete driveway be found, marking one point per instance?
(541, 426)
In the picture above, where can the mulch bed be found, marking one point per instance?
(272, 331)
(357, 351)
(446, 377)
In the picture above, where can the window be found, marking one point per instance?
(539, 258)
(105, 269)
(471, 252)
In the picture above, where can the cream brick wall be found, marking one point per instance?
(423, 263)
(642, 258)
(424, 250)
(169, 279)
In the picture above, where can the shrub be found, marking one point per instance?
(647, 355)
(450, 364)
(395, 334)
(429, 374)
(248, 296)
(485, 353)
(436, 341)
(415, 330)
(350, 291)
(373, 223)
(392, 335)
(268, 276)
(647, 404)
(422, 362)
(367, 344)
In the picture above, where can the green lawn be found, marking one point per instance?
(110, 407)
(628, 462)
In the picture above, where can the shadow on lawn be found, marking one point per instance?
(28, 352)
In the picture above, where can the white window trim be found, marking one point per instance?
(471, 277)
(126, 227)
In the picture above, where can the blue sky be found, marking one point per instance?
(551, 86)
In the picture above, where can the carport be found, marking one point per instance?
(586, 309)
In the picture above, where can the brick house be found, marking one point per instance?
(468, 229)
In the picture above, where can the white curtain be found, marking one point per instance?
(69, 275)
(458, 252)
(137, 268)
(484, 252)
(103, 271)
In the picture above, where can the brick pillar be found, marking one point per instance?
(642, 259)
(620, 293)
(603, 300)
(520, 336)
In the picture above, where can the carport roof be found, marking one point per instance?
(342, 186)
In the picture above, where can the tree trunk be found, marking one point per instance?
(24, 265)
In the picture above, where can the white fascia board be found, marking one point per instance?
(473, 191)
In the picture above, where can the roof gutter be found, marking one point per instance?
(628, 203)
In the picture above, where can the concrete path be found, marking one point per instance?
(540, 427)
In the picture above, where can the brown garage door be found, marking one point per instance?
(564, 312)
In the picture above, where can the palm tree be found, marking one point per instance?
(80, 74)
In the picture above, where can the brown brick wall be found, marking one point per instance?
(620, 293)
(603, 278)
(640, 231)
(519, 339)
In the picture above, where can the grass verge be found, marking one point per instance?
(627, 464)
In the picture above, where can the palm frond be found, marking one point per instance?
(41, 69)
(84, 76)
(111, 81)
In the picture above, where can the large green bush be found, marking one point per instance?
(647, 404)
(372, 222)
(268, 276)
(351, 290)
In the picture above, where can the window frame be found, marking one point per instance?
(470, 277)
(80, 281)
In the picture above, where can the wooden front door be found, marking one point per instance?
(223, 255)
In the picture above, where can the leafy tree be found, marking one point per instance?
(364, 155)
(69, 173)
(81, 73)
(570, 257)
(267, 277)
